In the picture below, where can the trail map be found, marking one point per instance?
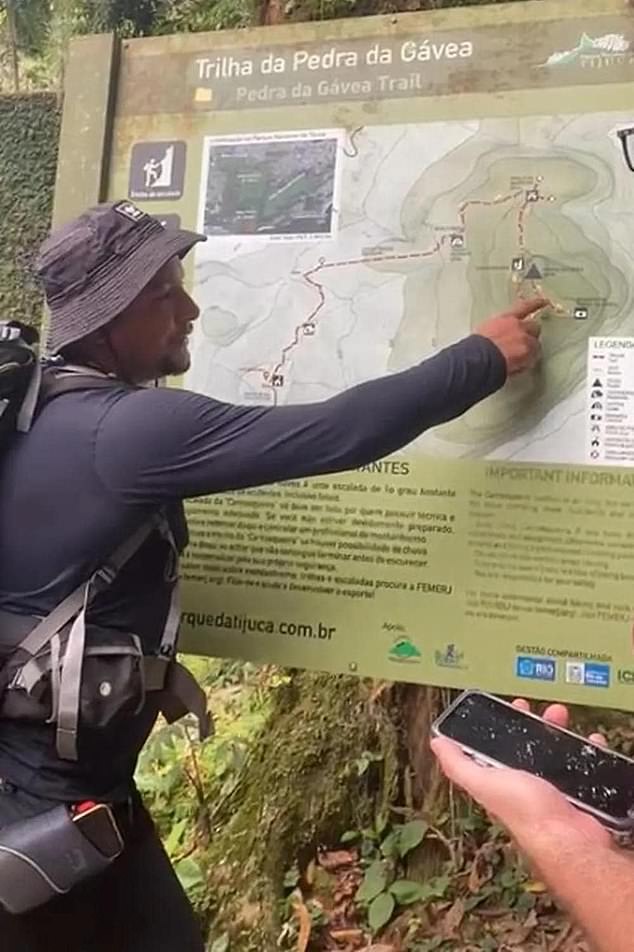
(339, 255)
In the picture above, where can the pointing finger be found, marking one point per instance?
(532, 326)
(524, 308)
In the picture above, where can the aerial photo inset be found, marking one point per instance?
(270, 185)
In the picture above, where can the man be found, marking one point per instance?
(572, 852)
(98, 462)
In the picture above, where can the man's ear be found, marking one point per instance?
(83, 351)
(97, 351)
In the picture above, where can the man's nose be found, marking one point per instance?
(190, 311)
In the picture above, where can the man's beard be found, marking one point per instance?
(176, 363)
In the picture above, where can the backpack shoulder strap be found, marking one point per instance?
(57, 381)
(39, 637)
(29, 404)
(48, 382)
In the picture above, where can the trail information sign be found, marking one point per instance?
(370, 190)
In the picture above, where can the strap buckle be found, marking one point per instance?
(9, 331)
(105, 575)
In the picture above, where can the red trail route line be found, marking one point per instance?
(324, 265)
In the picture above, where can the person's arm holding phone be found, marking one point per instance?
(572, 852)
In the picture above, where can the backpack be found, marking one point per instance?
(20, 375)
(61, 669)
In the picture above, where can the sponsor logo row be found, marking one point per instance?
(589, 674)
(405, 650)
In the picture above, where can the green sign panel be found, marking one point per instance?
(372, 189)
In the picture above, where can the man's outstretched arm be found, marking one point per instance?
(159, 445)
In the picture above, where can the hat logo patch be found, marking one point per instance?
(130, 211)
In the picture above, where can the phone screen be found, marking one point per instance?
(596, 778)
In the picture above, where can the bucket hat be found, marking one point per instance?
(94, 267)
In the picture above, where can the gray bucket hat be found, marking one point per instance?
(95, 266)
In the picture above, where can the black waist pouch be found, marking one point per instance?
(43, 857)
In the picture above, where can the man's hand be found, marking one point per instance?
(528, 807)
(515, 333)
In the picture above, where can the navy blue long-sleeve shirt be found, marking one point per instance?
(98, 462)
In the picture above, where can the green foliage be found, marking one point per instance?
(380, 911)
(409, 836)
(300, 10)
(406, 891)
(31, 19)
(374, 882)
(181, 778)
(479, 870)
(384, 850)
(29, 131)
(193, 16)
(127, 17)
(221, 944)
(192, 878)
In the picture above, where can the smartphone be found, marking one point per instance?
(496, 734)
(98, 825)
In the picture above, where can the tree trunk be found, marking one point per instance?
(301, 788)
(13, 45)
(271, 12)
(419, 707)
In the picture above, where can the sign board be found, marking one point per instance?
(372, 189)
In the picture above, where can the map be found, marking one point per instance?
(335, 256)
(276, 186)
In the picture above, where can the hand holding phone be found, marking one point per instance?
(595, 780)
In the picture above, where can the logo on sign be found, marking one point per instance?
(404, 650)
(588, 674)
(593, 52)
(449, 658)
(625, 676)
(536, 669)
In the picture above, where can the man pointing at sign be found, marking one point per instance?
(102, 459)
